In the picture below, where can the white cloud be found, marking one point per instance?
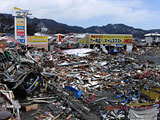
(124, 11)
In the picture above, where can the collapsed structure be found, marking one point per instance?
(78, 84)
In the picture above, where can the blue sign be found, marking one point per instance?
(20, 27)
(20, 37)
(21, 40)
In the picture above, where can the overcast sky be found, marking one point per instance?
(137, 13)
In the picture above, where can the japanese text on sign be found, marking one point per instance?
(110, 39)
(39, 39)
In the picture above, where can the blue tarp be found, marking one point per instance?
(77, 93)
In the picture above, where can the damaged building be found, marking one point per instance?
(108, 42)
(78, 84)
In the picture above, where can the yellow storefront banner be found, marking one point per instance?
(110, 39)
(83, 40)
(20, 21)
(39, 39)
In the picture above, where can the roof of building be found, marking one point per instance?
(152, 34)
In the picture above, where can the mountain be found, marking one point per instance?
(35, 25)
(154, 30)
(55, 27)
(117, 29)
(6, 23)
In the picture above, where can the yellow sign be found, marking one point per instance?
(110, 39)
(20, 21)
(39, 39)
(15, 8)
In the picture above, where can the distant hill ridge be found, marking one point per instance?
(35, 24)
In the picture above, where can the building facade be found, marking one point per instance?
(108, 41)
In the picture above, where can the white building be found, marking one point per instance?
(151, 38)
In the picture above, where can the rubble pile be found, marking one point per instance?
(75, 86)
